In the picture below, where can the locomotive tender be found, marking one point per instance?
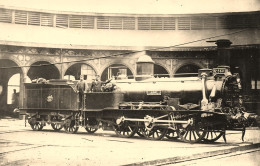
(193, 109)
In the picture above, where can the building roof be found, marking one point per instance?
(136, 6)
(39, 36)
(71, 38)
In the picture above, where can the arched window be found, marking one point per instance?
(74, 72)
(118, 71)
(189, 70)
(160, 71)
(43, 69)
(13, 84)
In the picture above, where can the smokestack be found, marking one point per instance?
(224, 54)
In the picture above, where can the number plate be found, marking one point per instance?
(219, 71)
(154, 92)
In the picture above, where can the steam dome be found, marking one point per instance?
(145, 59)
(145, 68)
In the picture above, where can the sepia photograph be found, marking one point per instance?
(130, 83)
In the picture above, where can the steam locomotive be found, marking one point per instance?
(192, 109)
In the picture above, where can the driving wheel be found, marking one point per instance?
(126, 129)
(192, 133)
(171, 134)
(140, 132)
(154, 133)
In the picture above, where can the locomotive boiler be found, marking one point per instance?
(210, 86)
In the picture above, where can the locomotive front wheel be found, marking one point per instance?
(37, 126)
(155, 133)
(125, 130)
(70, 126)
(56, 126)
(191, 134)
(171, 134)
(212, 136)
(91, 129)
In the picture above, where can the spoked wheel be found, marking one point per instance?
(91, 129)
(140, 132)
(126, 129)
(92, 126)
(171, 134)
(213, 135)
(37, 126)
(56, 126)
(70, 126)
(191, 134)
(154, 133)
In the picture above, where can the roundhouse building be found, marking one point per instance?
(61, 42)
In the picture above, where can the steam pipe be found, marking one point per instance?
(204, 101)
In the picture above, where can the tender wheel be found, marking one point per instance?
(172, 134)
(212, 136)
(191, 134)
(90, 129)
(70, 126)
(125, 130)
(37, 126)
(56, 126)
(155, 133)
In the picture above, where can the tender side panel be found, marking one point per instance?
(33, 98)
(68, 99)
(51, 97)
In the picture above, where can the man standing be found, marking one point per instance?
(15, 99)
(81, 89)
(96, 84)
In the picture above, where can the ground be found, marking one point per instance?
(20, 145)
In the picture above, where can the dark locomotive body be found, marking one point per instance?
(190, 108)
